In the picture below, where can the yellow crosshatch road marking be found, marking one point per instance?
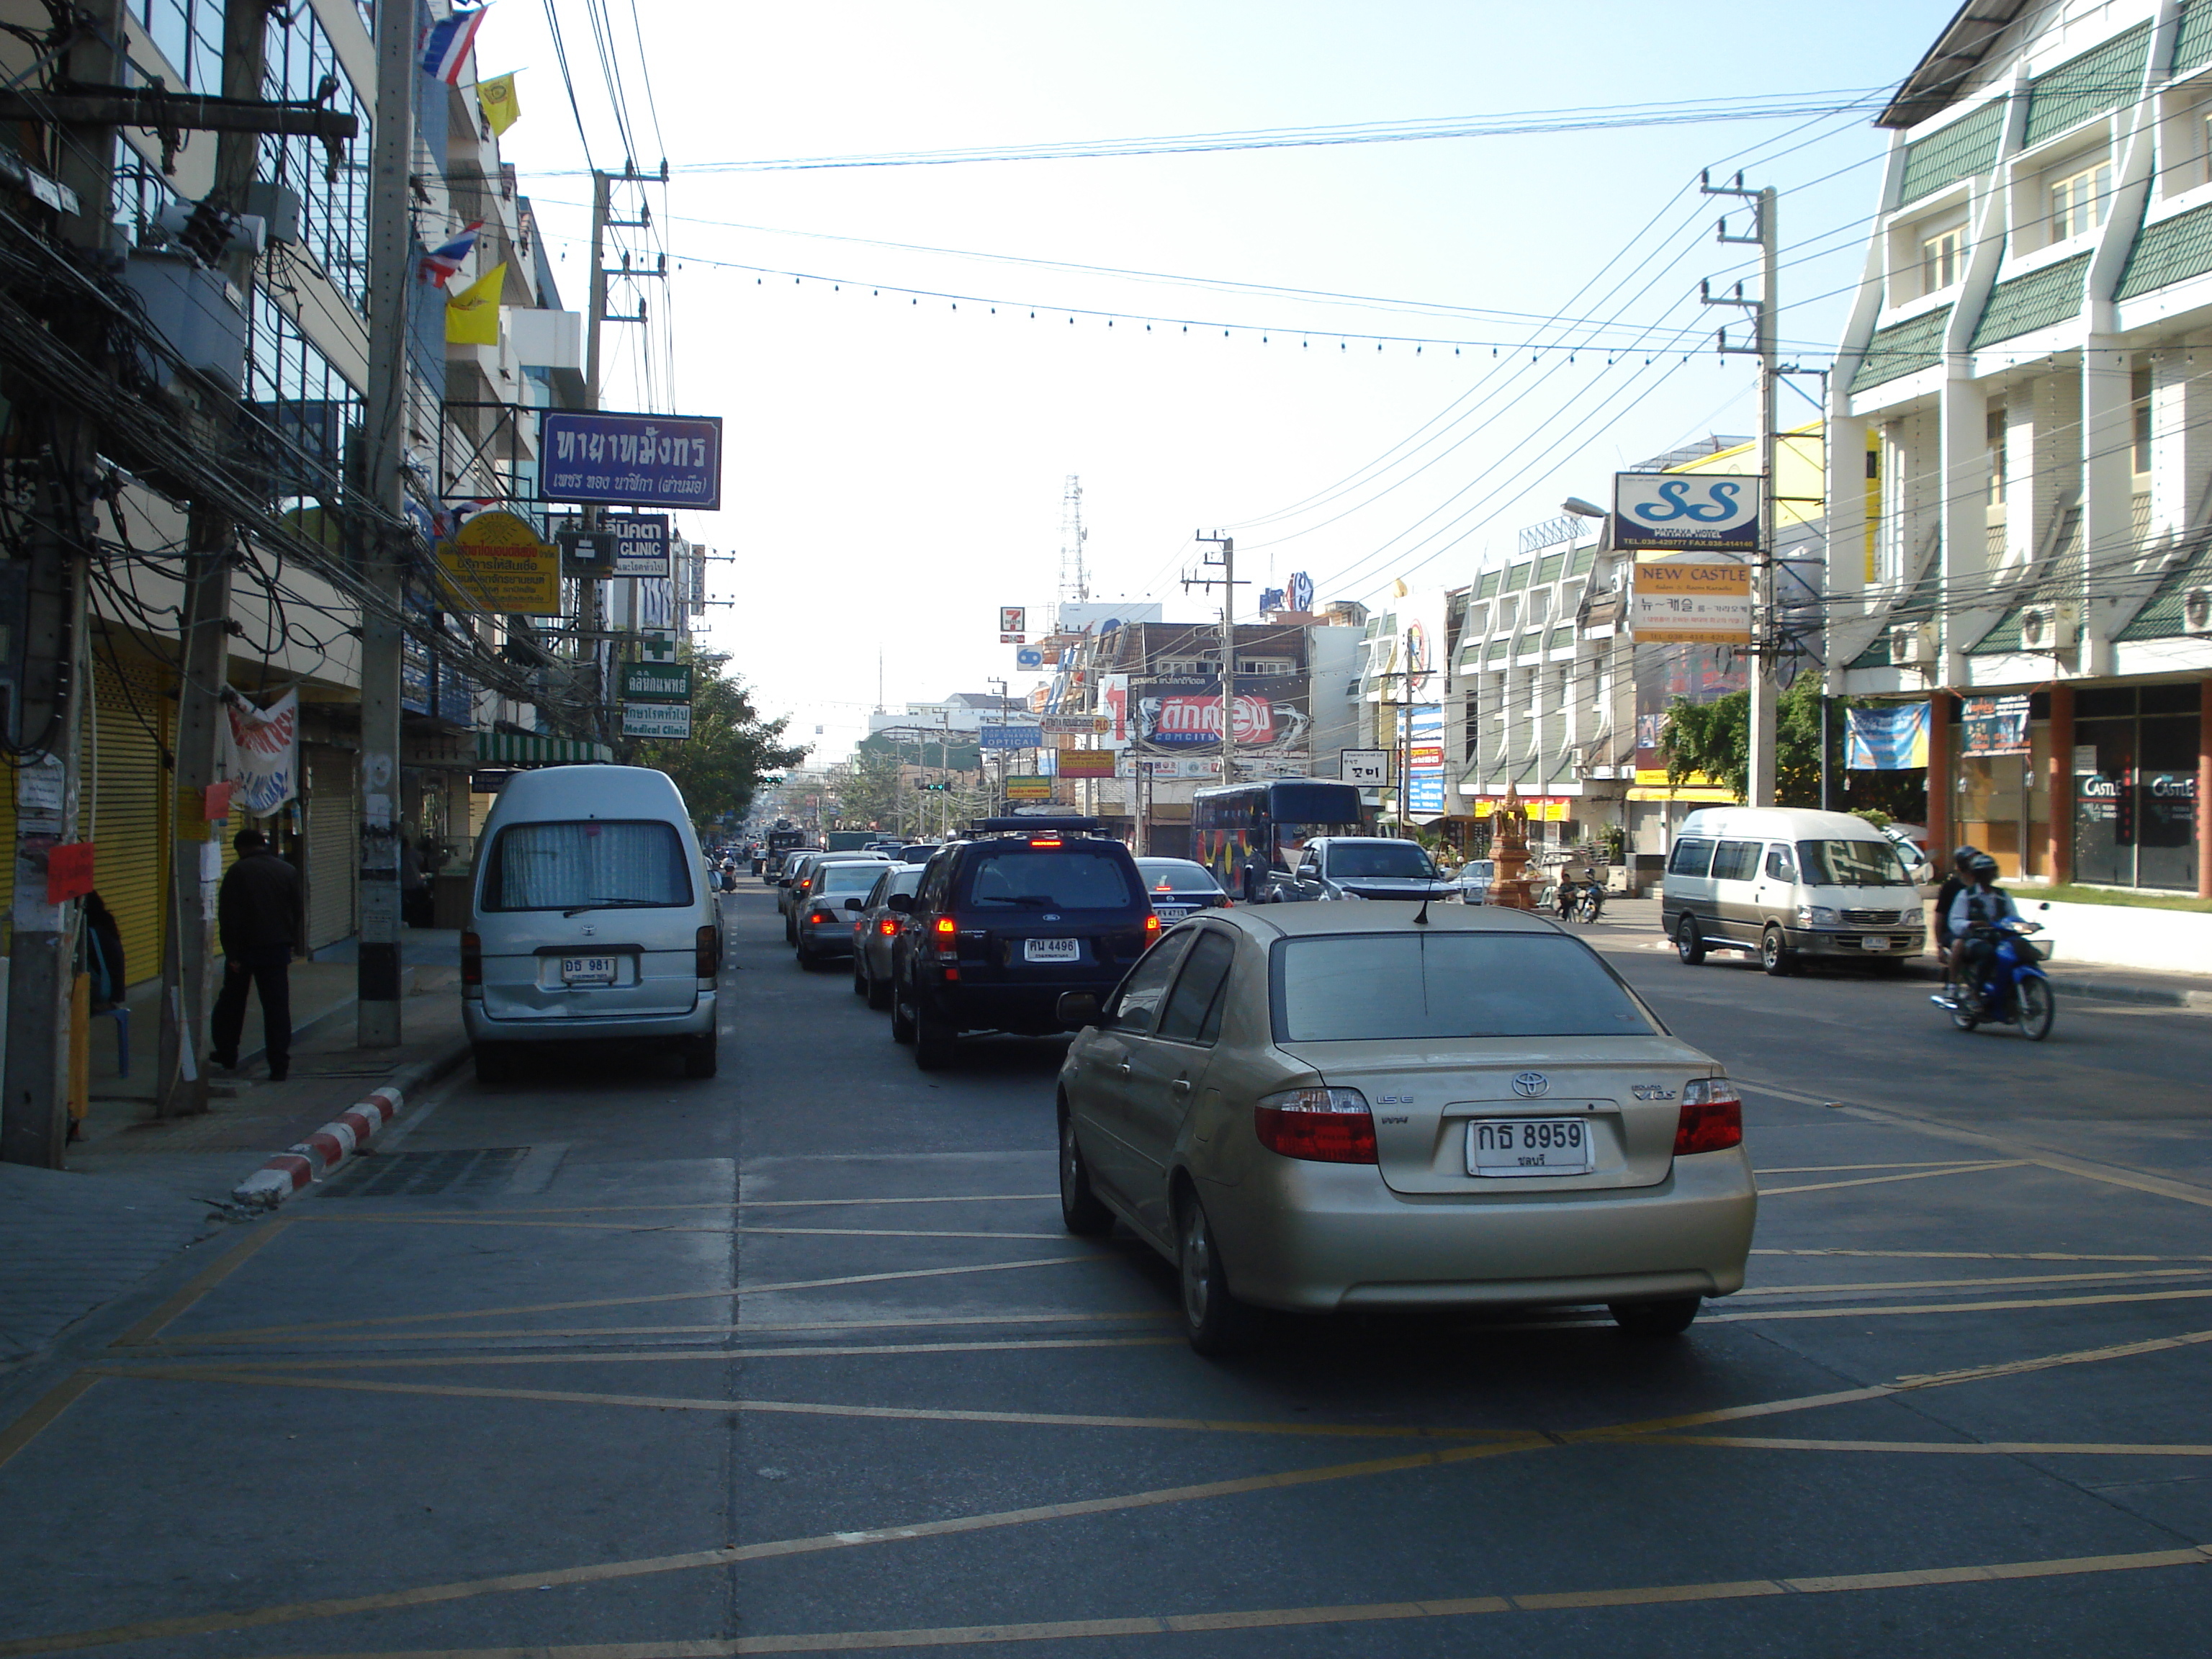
(380, 1220)
(1842, 1168)
(749, 1328)
(1859, 1311)
(1961, 1448)
(1243, 1619)
(1881, 1180)
(1955, 1283)
(677, 1356)
(732, 1294)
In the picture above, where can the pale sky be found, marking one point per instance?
(894, 467)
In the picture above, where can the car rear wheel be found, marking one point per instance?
(1668, 1318)
(880, 993)
(1216, 1323)
(1690, 941)
(699, 1055)
(1080, 1208)
(1774, 953)
(936, 1042)
(860, 979)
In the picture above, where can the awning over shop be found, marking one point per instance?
(530, 749)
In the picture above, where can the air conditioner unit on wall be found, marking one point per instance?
(2048, 627)
(2197, 609)
(1913, 644)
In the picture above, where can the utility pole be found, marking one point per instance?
(390, 268)
(56, 657)
(1766, 634)
(187, 945)
(1226, 561)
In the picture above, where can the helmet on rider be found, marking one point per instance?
(1982, 867)
(1963, 860)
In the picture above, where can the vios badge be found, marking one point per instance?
(1529, 1084)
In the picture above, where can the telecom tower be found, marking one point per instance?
(1075, 587)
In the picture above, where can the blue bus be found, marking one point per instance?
(1241, 831)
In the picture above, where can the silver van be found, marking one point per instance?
(1783, 883)
(590, 920)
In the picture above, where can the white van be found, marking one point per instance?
(590, 920)
(1784, 883)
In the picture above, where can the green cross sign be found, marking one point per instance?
(660, 645)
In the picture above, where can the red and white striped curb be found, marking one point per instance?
(322, 1153)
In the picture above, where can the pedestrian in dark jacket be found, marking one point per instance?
(257, 919)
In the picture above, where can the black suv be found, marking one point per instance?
(1007, 921)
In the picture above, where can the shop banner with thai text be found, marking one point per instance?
(1890, 738)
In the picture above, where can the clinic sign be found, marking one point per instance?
(1685, 513)
(640, 543)
(632, 461)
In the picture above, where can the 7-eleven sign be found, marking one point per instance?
(659, 645)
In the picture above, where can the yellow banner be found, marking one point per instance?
(472, 315)
(496, 99)
(496, 562)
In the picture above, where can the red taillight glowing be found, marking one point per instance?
(1151, 924)
(947, 926)
(1044, 841)
(707, 951)
(823, 916)
(1711, 1119)
(1323, 1126)
(471, 959)
(887, 926)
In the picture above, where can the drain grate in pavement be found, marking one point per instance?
(407, 1175)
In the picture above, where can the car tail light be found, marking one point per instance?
(947, 926)
(1152, 925)
(887, 926)
(1227, 903)
(1324, 1126)
(471, 959)
(819, 916)
(1044, 841)
(707, 951)
(1711, 1119)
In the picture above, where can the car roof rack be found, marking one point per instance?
(1023, 825)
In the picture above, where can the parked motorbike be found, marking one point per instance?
(2013, 990)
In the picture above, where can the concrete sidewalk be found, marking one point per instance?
(139, 1190)
(1634, 924)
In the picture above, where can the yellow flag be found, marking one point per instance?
(1398, 588)
(472, 315)
(498, 100)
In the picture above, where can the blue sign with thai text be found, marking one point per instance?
(631, 460)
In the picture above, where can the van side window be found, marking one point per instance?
(1692, 856)
(1780, 863)
(1736, 860)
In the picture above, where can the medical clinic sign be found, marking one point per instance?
(632, 461)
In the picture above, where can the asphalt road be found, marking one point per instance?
(607, 1364)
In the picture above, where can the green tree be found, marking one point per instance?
(1714, 738)
(868, 789)
(731, 750)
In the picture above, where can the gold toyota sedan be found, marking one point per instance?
(1317, 1107)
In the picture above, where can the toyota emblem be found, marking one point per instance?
(1529, 1084)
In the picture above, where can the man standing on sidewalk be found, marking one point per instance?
(257, 919)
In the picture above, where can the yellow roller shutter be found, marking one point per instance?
(123, 808)
(333, 826)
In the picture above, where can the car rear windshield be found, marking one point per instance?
(1171, 875)
(1070, 879)
(1852, 864)
(848, 878)
(1387, 858)
(587, 864)
(1419, 986)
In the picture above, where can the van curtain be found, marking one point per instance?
(1890, 738)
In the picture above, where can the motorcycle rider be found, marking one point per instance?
(1973, 915)
(1955, 883)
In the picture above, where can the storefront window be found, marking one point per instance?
(2135, 787)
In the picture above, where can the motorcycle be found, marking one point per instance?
(2013, 990)
(1579, 901)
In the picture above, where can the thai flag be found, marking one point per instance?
(441, 262)
(446, 45)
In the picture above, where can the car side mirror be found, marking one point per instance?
(902, 902)
(854, 904)
(1078, 1009)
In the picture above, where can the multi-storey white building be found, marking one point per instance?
(2029, 370)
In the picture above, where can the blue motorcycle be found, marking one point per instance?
(2014, 988)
